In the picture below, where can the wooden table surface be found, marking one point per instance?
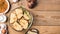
(46, 16)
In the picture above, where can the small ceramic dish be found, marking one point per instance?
(7, 7)
(32, 31)
(2, 18)
(3, 27)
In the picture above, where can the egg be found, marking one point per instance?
(3, 31)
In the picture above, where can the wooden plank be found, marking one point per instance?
(46, 17)
(42, 30)
(48, 29)
(46, 5)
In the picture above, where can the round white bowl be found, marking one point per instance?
(7, 7)
(2, 18)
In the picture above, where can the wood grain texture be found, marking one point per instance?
(48, 29)
(46, 16)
